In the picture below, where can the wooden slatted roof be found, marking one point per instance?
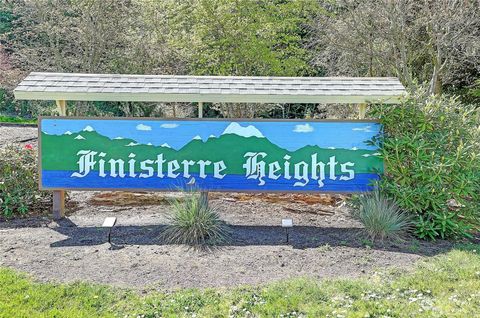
(237, 89)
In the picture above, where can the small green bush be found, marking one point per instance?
(431, 149)
(195, 223)
(16, 120)
(381, 217)
(19, 193)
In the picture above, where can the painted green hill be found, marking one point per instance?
(59, 152)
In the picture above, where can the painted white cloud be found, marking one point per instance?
(305, 128)
(143, 127)
(169, 126)
(364, 129)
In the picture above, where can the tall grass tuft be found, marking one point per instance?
(381, 217)
(195, 223)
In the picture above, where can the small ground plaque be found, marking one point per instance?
(109, 221)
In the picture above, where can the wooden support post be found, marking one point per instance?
(362, 109)
(200, 110)
(62, 107)
(59, 195)
(203, 194)
(58, 204)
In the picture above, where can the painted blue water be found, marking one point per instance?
(59, 179)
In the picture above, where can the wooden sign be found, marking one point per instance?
(207, 154)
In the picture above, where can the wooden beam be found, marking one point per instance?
(59, 195)
(392, 98)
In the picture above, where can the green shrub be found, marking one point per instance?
(16, 120)
(194, 223)
(431, 149)
(19, 192)
(381, 217)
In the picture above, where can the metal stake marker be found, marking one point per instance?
(286, 224)
(110, 223)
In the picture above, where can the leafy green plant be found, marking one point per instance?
(195, 223)
(6, 18)
(381, 217)
(431, 150)
(442, 225)
(426, 229)
(16, 120)
(19, 193)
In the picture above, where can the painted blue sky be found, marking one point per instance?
(288, 135)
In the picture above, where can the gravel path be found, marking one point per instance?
(20, 135)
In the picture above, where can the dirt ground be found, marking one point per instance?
(324, 243)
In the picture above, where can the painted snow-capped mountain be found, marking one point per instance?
(165, 145)
(197, 137)
(79, 137)
(118, 138)
(237, 129)
(132, 144)
(88, 128)
(68, 132)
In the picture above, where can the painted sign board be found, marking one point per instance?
(207, 154)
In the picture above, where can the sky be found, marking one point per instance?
(290, 135)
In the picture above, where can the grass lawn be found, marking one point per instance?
(444, 286)
(16, 120)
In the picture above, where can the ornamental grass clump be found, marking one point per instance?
(195, 223)
(381, 217)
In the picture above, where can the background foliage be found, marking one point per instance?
(432, 42)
